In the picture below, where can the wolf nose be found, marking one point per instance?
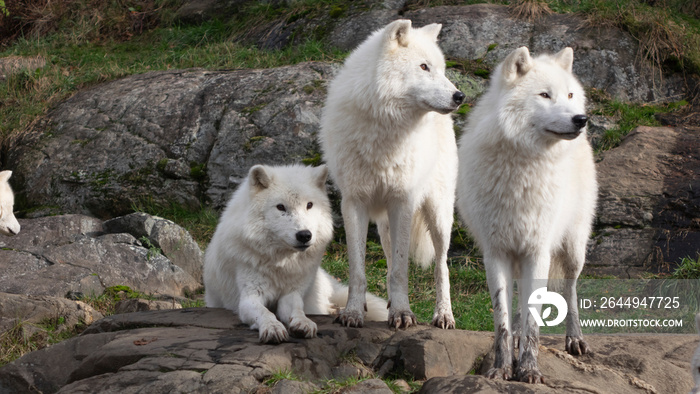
(458, 97)
(579, 120)
(304, 236)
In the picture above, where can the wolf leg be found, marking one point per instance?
(575, 344)
(439, 221)
(253, 312)
(290, 309)
(534, 272)
(499, 275)
(400, 217)
(356, 220)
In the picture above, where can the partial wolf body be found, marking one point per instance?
(387, 138)
(264, 259)
(527, 192)
(695, 364)
(8, 223)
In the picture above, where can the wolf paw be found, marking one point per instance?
(576, 346)
(302, 327)
(402, 319)
(273, 332)
(499, 373)
(350, 318)
(444, 320)
(533, 376)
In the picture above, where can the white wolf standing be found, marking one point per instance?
(388, 140)
(695, 364)
(266, 254)
(527, 192)
(8, 223)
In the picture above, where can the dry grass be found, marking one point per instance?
(530, 9)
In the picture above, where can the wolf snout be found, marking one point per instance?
(304, 236)
(458, 97)
(579, 120)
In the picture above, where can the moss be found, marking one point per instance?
(483, 73)
(313, 160)
(161, 164)
(337, 11)
(198, 171)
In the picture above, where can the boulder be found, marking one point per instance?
(648, 206)
(17, 308)
(172, 137)
(56, 255)
(201, 350)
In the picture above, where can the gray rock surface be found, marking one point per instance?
(17, 308)
(172, 240)
(606, 58)
(180, 137)
(204, 350)
(649, 203)
(73, 253)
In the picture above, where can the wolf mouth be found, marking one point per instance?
(567, 136)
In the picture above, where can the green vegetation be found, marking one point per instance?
(25, 337)
(628, 116)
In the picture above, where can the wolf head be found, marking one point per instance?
(8, 222)
(291, 206)
(541, 93)
(695, 364)
(411, 69)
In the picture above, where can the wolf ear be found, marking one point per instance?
(259, 178)
(321, 176)
(565, 59)
(398, 31)
(517, 64)
(5, 175)
(432, 30)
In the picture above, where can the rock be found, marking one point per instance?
(139, 305)
(201, 350)
(294, 387)
(649, 203)
(369, 386)
(16, 308)
(72, 253)
(606, 57)
(598, 125)
(173, 241)
(194, 142)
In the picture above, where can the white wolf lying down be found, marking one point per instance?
(266, 254)
(388, 140)
(527, 192)
(8, 223)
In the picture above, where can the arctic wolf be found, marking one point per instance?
(387, 138)
(695, 364)
(266, 253)
(527, 192)
(8, 222)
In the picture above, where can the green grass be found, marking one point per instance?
(199, 223)
(74, 66)
(24, 337)
(628, 116)
(471, 303)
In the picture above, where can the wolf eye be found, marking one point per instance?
(545, 95)
(280, 207)
(571, 95)
(309, 205)
(424, 67)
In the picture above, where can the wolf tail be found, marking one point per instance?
(422, 249)
(329, 295)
